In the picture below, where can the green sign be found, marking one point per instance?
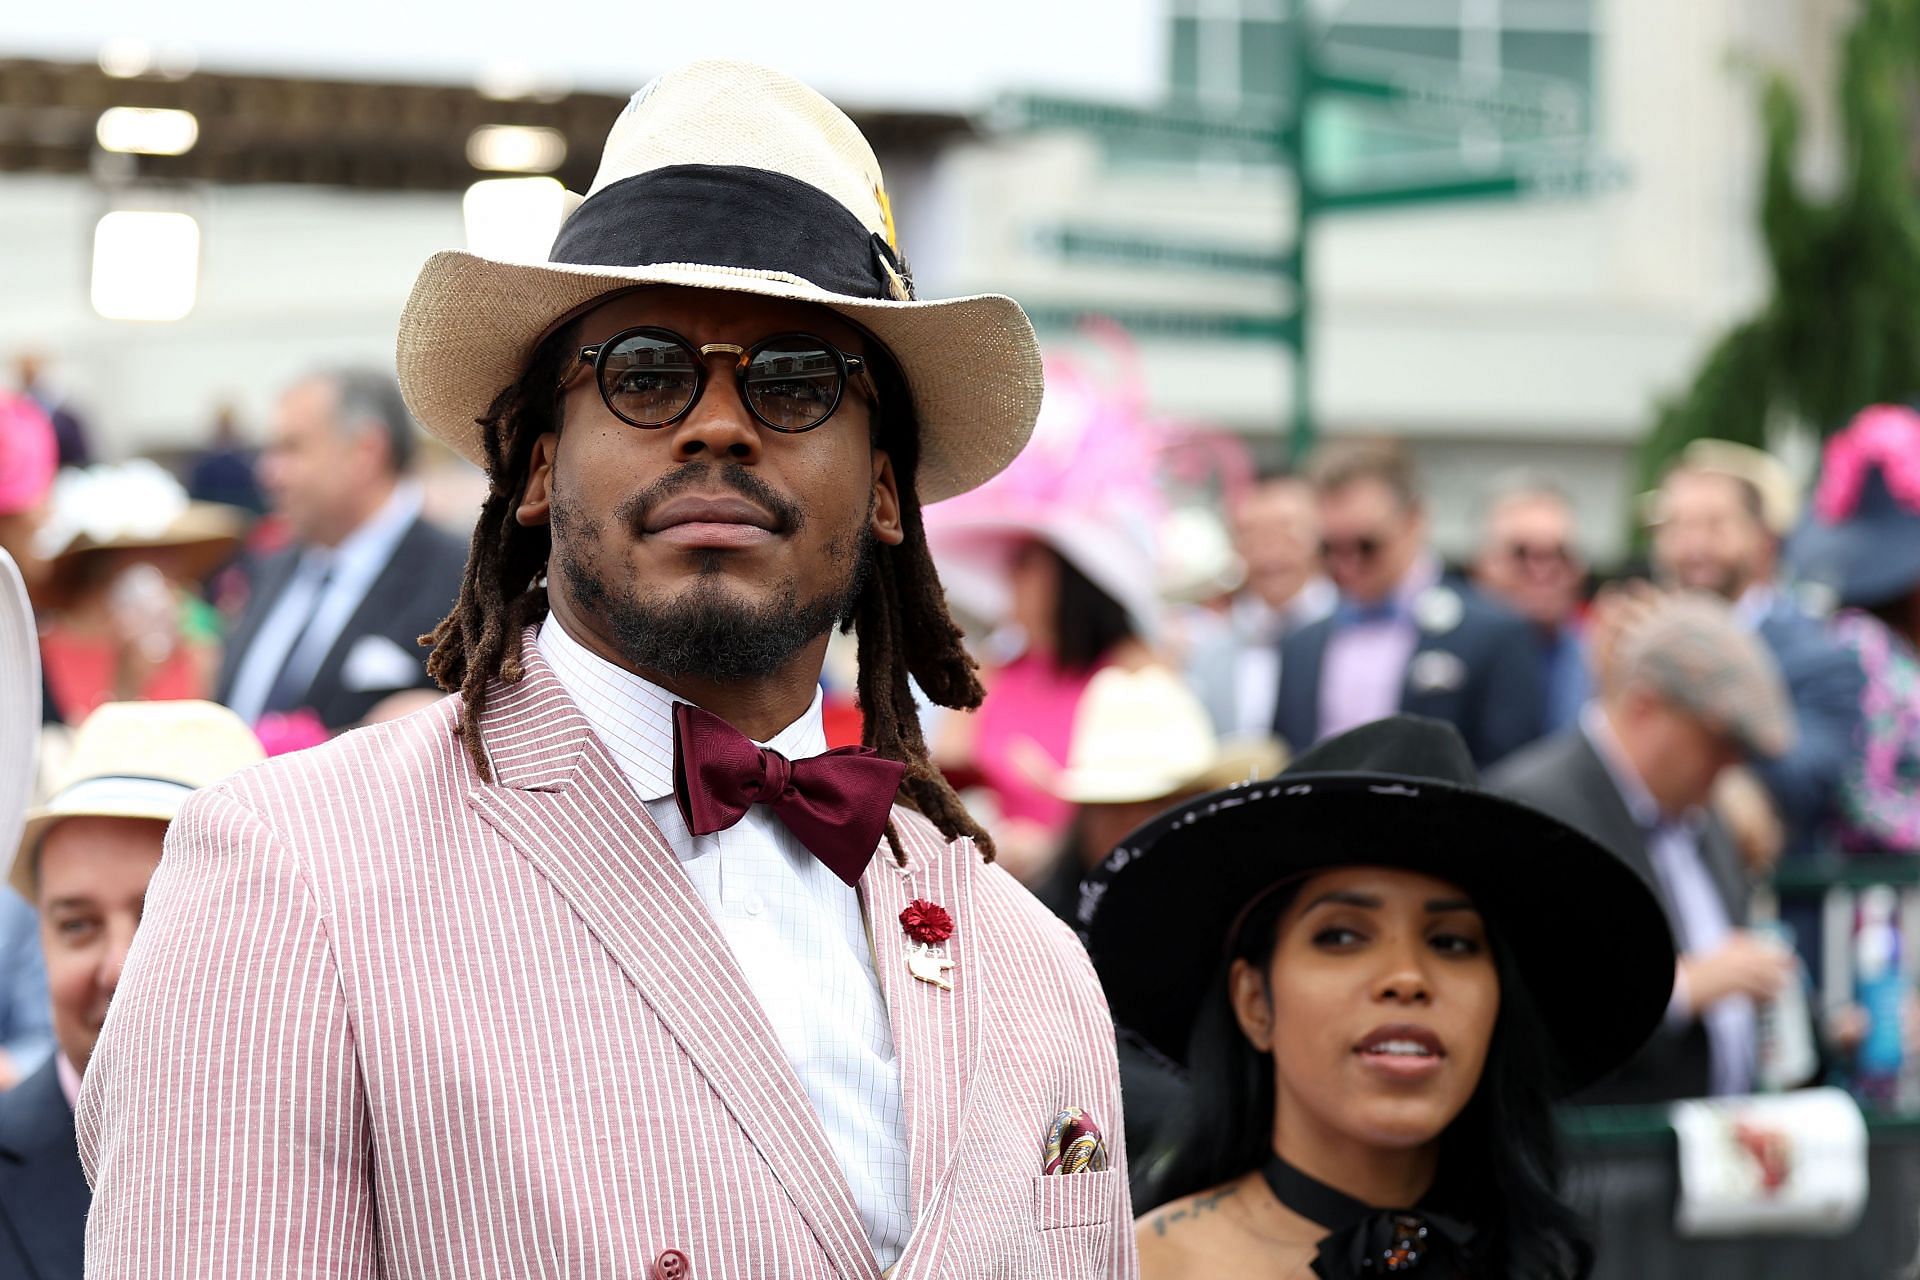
(1090, 244)
(1186, 124)
(1196, 325)
(1514, 106)
(1571, 178)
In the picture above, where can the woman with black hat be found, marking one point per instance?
(1378, 977)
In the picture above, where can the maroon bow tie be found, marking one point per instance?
(835, 804)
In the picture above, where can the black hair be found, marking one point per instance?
(1499, 1165)
(1087, 622)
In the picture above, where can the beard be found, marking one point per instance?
(705, 629)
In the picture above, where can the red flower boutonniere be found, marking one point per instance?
(927, 923)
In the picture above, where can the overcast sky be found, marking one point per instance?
(905, 53)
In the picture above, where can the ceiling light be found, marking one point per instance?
(515, 148)
(147, 131)
(146, 265)
(125, 57)
(514, 219)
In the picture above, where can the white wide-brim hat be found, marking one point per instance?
(1142, 735)
(731, 176)
(137, 760)
(19, 701)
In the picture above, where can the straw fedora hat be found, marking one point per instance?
(1142, 735)
(19, 700)
(1769, 477)
(730, 176)
(137, 760)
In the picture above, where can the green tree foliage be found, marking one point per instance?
(1841, 327)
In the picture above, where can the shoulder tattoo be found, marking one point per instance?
(1193, 1207)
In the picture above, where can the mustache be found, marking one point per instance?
(787, 516)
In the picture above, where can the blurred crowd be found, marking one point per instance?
(1745, 701)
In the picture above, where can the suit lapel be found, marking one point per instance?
(1297, 721)
(936, 1033)
(374, 615)
(560, 799)
(269, 581)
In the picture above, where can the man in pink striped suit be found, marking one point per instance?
(605, 966)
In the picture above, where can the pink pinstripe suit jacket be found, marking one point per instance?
(385, 1019)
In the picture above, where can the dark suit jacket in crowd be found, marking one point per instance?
(1482, 675)
(1825, 684)
(1565, 776)
(43, 1192)
(409, 598)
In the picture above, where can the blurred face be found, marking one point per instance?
(1369, 538)
(93, 887)
(716, 546)
(325, 480)
(1528, 559)
(1276, 530)
(1708, 538)
(1377, 1006)
(1033, 586)
(1677, 755)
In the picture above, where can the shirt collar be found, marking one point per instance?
(633, 717)
(69, 1078)
(1644, 809)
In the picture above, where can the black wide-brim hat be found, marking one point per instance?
(1588, 936)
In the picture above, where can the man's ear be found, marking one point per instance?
(536, 500)
(885, 520)
(1252, 1006)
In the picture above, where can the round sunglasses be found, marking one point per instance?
(790, 382)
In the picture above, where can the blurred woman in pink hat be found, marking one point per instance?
(1057, 556)
(1861, 543)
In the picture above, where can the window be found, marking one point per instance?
(1235, 52)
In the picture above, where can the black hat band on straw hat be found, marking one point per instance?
(732, 216)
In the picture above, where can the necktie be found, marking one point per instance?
(295, 678)
(835, 804)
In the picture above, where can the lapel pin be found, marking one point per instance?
(928, 926)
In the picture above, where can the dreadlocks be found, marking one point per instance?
(899, 619)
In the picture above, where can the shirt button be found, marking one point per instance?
(755, 904)
(672, 1265)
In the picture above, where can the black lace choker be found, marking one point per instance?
(1363, 1241)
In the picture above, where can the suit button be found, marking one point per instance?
(672, 1265)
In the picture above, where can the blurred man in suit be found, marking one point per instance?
(1235, 671)
(84, 859)
(1529, 561)
(1403, 637)
(333, 622)
(1688, 695)
(1718, 519)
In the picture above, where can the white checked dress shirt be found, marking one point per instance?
(796, 929)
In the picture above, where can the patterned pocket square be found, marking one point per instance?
(1074, 1144)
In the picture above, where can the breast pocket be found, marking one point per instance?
(1073, 1218)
